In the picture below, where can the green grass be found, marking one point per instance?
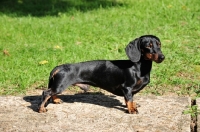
(33, 32)
(192, 110)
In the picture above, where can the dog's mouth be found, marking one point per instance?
(158, 58)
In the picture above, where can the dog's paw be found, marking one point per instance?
(42, 110)
(133, 111)
(132, 108)
(57, 101)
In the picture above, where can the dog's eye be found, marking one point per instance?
(150, 46)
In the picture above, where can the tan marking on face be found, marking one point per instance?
(153, 57)
(150, 46)
(148, 56)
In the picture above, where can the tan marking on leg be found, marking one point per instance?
(56, 100)
(42, 108)
(135, 107)
(132, 109)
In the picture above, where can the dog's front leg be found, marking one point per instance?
(132, 108)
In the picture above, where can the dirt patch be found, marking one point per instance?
(95, 112)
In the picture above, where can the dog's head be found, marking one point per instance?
(147, 47)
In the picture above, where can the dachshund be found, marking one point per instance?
(120, 77)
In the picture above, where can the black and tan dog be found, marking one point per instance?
(120, 77)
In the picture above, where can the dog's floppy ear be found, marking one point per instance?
(133, 50)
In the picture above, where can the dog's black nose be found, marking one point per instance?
(162, 57)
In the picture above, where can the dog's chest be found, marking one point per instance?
(140, 83)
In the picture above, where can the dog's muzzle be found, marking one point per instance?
(161, 57)
(158, 57)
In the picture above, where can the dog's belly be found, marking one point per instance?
(112, 89)
(115, 90)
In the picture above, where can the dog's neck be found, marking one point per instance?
(145, 66)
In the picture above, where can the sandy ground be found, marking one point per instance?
(94, 112)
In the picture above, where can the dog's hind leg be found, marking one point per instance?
(46, 95)
(84, 87)
(60, 78)
(55, 87)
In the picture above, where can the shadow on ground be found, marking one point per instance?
(41, 8)
(91, 98)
